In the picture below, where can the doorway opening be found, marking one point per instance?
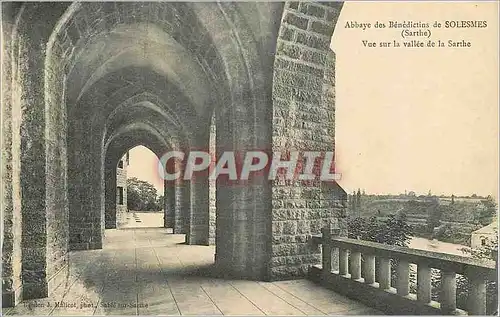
(144, 190)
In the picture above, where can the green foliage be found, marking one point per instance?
(393, 231)
(434, 217)
(160, 202)
(141, 196)
(426, 213)
(488, 211)
(447, 233)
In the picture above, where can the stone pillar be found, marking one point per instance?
(212, 185)
(303, 120)
(212, 212)
(121, 185)
(110, 191)
(85, 190)
(39, 91)
(169, 204)
(243, 209)
(181, 205)
(244, 123)
(198, 217)
(10, 164)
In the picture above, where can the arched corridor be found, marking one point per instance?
(83, 83)
(150, 272)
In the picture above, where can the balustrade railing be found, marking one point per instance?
(370, 263)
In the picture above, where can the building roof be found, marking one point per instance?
(491, 228)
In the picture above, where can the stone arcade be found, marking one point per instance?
(82, 83)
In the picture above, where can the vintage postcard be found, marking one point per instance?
(249, 158)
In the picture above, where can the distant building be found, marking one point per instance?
(121, 187)
(484, 235)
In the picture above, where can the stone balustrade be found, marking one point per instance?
(362, 270)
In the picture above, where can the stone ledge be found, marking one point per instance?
(442, 261)
(385, 300)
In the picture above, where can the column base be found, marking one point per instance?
(12, 298)
(45, 287)
(225, 269)
(196, 241)
(85, 246)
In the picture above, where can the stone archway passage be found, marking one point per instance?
(83, 82)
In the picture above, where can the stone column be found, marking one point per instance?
(198, 217)
(212, 184)
(303, 120)
(169, 204)
(110, 191)
(11, 190)
(181, 190)
(43, 150)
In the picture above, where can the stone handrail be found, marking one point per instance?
(350, 252)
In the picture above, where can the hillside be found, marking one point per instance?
(449, 219)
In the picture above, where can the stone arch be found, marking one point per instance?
(304, 114)
(236, 61)
(231, 48)
(115, 149)
(37, 133)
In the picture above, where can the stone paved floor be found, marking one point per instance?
(143, 220)
(151, 272)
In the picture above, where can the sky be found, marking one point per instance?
(414, 119)
(417, 119)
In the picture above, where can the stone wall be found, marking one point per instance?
(11, 191)
(169, 204)
(43, 154)
(55, 146)
(212, 187)
(121, 181)
(181, 207)
(303, 120)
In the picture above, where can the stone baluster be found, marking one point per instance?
(402, 283)
(369, 268)
(423, 283)
(355, 265)
(448, 297)
(326, 251)
(477, 294)
(384, 273)
(343, 259)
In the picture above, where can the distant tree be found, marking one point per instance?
(160, 202)
(486, 214)
(358, 199)
(433, 216)
(141, 195)
(353, 201)
(393, 231)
